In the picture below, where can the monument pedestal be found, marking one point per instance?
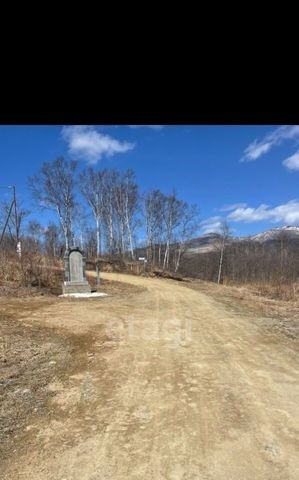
(76, 287)
(74, 268)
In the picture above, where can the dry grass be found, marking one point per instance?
(278, 291)
(33, 271)
(113, 287)
(268, 301)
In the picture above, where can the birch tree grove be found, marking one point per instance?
(112, 197)
(124, 204)
(153, 214)
(170, 223)
(53, 188)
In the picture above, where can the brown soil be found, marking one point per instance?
(158, 380)
(275, 314)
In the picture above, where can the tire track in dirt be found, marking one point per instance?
(174, 388)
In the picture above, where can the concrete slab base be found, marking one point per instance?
(84, 295)
(76, 287)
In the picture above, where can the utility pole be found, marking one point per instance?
(18, 247)
(13, 204)
(7, 219)
(16, 216)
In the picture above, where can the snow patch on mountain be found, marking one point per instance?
(207, 242)
(275, 233)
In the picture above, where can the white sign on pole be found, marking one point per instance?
(141, 258)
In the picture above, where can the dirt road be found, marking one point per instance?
(169, 385)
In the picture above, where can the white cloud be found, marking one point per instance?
(211, 225)
(153, 127)
(87, 143)
(287, 213)
(248, 214)
(257, 149)
(228, 208)
(292, 162)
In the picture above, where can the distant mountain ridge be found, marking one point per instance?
(275, 233)
(206, 242)
(202, 244)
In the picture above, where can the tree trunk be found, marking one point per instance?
(130, 237)
(149, 252)
(66, 238)
(166, 256)
(110, 236)
(220, 263)
(98, 237)
(178, 260)
(122, 241)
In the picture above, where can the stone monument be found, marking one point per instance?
(74, 272)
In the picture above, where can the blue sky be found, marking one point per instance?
(246, 174)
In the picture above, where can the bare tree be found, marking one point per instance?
(187, 228)
(152, 211)
(130, 205)
(172, 213)
(90, 244)
(170, 223)
(91, 186)
(120, 202)
(53, 188)
(79, 225)
(282, 237)
(35, 231)
(224, 236)
(108, 181)
(52, 239)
